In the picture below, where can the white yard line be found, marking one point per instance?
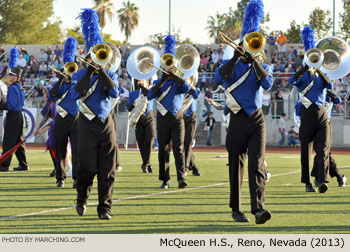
(133, 197)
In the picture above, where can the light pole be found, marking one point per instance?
(333, 18)
(169, 16)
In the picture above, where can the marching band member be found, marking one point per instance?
(49, 111)
(13, 132)
(243, 78)
(95, 87)
(314, 127)
(169, 91)
(145, 132)
(66, 123)
(190, 121)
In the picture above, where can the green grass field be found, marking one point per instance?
(140, 206)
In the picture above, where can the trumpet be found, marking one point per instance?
(59, 72)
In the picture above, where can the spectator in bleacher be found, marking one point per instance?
(125, 55)
(211, 72)
(208, 53)
(52, 57)
(277, 104)
(41, 80)
(25, 54)
(278, 68)
(291, 55)
(124, 92)
(272, 44)
(53, 79)
(58, 52)
(266, 102)
(270, 65)
(42, 55)
(22, 63)
(203, 78)
(203, 60)
(43, 68)
(301, 51)
(126, 81)
(282, 45)
(293, 137)
(214, 56)
(291, 65)
(33, 66)
(199, 50)
(295, 52)
(31, 81)
(285, 76)
(48, 51)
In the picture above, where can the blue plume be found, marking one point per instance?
(169, 43)
(90, 28)
(69, 50)
(307, 35)
(14, 55)
(253, 16)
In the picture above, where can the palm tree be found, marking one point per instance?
(128, 18)
(215, 25)
(104, 8)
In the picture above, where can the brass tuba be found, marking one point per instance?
(314, 57)
(187, 60)
(336, 63)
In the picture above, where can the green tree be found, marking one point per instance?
(105, 9)
(293, 33)
(344, 23)
(128, 18)
(239, 12)
(77, 34)
(28, 22)
(321, 22)
(155, 39)
(215, 24)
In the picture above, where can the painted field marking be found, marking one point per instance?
(133, 197)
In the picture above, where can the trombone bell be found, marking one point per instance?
(254, 42)
(70, 68)
(167, 60)
(101, 54)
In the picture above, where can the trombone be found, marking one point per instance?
(59, 72)
(82, 59)
(231, 43)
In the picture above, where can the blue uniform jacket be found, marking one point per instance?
(193, 107)
(133, 96)
(68, 104)
(249, 93)
(99, 102)
(317, 94)
(15, 97)
(173, 100)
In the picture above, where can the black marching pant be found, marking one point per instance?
(64, 128)
(246, 135)
(314, 132)
(97, 156)
(170, 128)
(117, 152)
(13, 134)
(333, 169)
(145, 134)
(190, 131)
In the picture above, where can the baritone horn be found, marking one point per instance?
(188, 60)
(143, 63)
(314, 57)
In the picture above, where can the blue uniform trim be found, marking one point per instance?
(68, 104)
(99, 102)
(15, 97)
(173, 100)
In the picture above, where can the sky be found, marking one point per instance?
(190, 16)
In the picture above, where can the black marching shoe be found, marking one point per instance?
(4, 168)
(261, 216)
(75, 183)
(238, 216)
(196, 172)
(53, 173)
(341, 180)
(80, 208)
(309, 188)
(60, 183)
(165, 185)
(182, 183)
(316, 183)
(322, 188)
(144, 169)
(104, 216)
(118, 168)
(21, 168)
(149, 168)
